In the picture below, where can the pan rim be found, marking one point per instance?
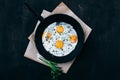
(47, 55)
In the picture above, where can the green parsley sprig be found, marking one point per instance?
(55, 70)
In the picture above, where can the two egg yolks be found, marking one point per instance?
(59, 29)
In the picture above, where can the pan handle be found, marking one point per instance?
(33, 11)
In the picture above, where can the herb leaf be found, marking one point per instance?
(55, 70)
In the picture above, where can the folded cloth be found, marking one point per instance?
(31, 51)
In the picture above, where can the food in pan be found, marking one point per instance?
(59, 39)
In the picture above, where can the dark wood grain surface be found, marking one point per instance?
(99, 59)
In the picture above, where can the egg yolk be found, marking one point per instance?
(73, 38)
(59, 44)
(59, 29)
(49, 35)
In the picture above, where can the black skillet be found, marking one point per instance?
(57, 18)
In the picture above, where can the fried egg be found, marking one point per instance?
(59, 39)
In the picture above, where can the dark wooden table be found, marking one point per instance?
(99, 59)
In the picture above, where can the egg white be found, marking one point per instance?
(49, 44)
